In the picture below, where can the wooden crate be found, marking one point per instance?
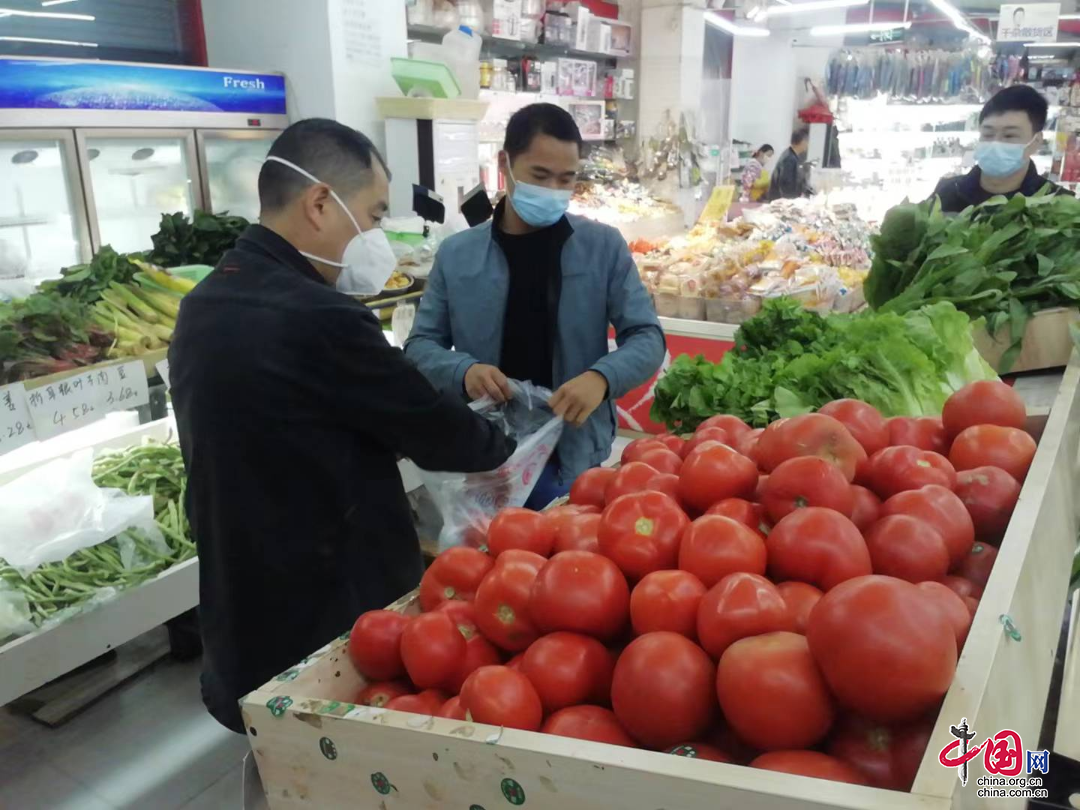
(316, 749)
(1047, 342)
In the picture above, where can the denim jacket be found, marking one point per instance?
(460, 322)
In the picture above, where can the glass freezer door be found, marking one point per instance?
(230, 162)
(133, 177)
(43, 225)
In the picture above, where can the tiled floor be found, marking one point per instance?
(149, 745)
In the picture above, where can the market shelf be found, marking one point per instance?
(512, 47)
(150, 361)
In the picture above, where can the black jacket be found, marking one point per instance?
(957, 193)
(788, 178)
(292, 408)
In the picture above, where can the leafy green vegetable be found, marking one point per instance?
(47, 333)
(1002, 261)
(85, 282)
(788, 360)
(203, 240)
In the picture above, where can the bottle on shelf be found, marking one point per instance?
(461, 52)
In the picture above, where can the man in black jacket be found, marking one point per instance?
(1010, 132)
(789, 175)
(292, 408)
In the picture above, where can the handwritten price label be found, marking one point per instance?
(16, 428)
(86, 397)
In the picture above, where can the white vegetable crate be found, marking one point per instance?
(317, 749)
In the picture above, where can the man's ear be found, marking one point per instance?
(315, 200)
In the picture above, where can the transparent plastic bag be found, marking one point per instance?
(468, 501)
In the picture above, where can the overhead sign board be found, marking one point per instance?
(1029, 22)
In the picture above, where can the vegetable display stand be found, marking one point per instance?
(149, 360)
(1047, 342)
(316, 748)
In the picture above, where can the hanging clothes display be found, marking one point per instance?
(916, 75)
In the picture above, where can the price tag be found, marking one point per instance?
(163, 372)
(77, 401)
(16, 429)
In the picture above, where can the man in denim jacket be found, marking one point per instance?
(530, 295)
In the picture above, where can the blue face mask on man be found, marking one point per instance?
(997, 159)
(538, 206)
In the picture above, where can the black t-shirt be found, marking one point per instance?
(957, 193)
(532, 304)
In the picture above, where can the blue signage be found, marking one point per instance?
(39, 84)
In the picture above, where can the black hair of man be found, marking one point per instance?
(539, 119)
(798, 136)
(334, 153)
(1018, 98)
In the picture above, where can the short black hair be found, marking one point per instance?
(765, 147)
(798, 136)
(539, 119)
(1018, 98)
(333, 152)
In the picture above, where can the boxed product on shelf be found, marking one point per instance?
(577, 77)
(506, 19)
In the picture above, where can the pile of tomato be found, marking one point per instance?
(793, 598)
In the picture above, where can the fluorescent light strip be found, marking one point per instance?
(1070, 44)
(52, 15)
(725, 24)
(810, 5)
(958, 20)
(37, 41)
(56, 2)
(856, 28)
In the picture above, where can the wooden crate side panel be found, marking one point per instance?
(379, 759)
(1001, 683)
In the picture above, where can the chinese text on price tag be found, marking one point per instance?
(86, 397)
(15, 427)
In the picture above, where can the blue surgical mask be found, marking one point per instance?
(538, 206)
(997, 159)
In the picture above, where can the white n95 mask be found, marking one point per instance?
(368, 260)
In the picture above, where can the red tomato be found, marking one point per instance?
(811, 434)
(515, 662)
(715, 546)
(809, 763)
(588, 723)
(772, 694)
(589, 487)
(703, 437)
(952, 607)
(1010, 449)
(662, 460)
(806, 481)
(452, 709)
(630, 478)
(886, 651)
(714, 473)
(666, 600)
(818, 546)
(379, 694)
(666, 483)
(963, 588)
(990, 495)
(768, 443)
(524, 529)
(703, 751)
(664, 689)
(734, 426)
(578, 534)
(429, 701)
(375, 645)
(463, 614)
(633, 451)
(581, 592)
(907, 548)
(568, 669)
(759, 490)
(924, 432)
(433, 649)
(568, 511)
(888, 756)
(747, 443)
(898, 469)
(479, 652)
(864, 422)
(641, 532)
(866, 507)
(941, 509)
(977, 565)
(502, 600)
(987, 402)
(972, 604)
(672, 442)
(738, 606)
(747, 513)
(799, 598)
(455, 574)
(499, 696)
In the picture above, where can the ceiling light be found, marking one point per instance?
(810, 5)
(958, 20)
(1072, 44)
(724, 24)
(37, 41)
(856, 28)
(53, 15)
(56, 2)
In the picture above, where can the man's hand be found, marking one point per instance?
(481, 381)
(576, 400)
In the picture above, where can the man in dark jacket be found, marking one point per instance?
(292, 408)
(789, 177)
(1010, 132)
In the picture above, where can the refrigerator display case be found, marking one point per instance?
(93, 153)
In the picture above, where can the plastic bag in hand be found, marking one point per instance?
(468, 501)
